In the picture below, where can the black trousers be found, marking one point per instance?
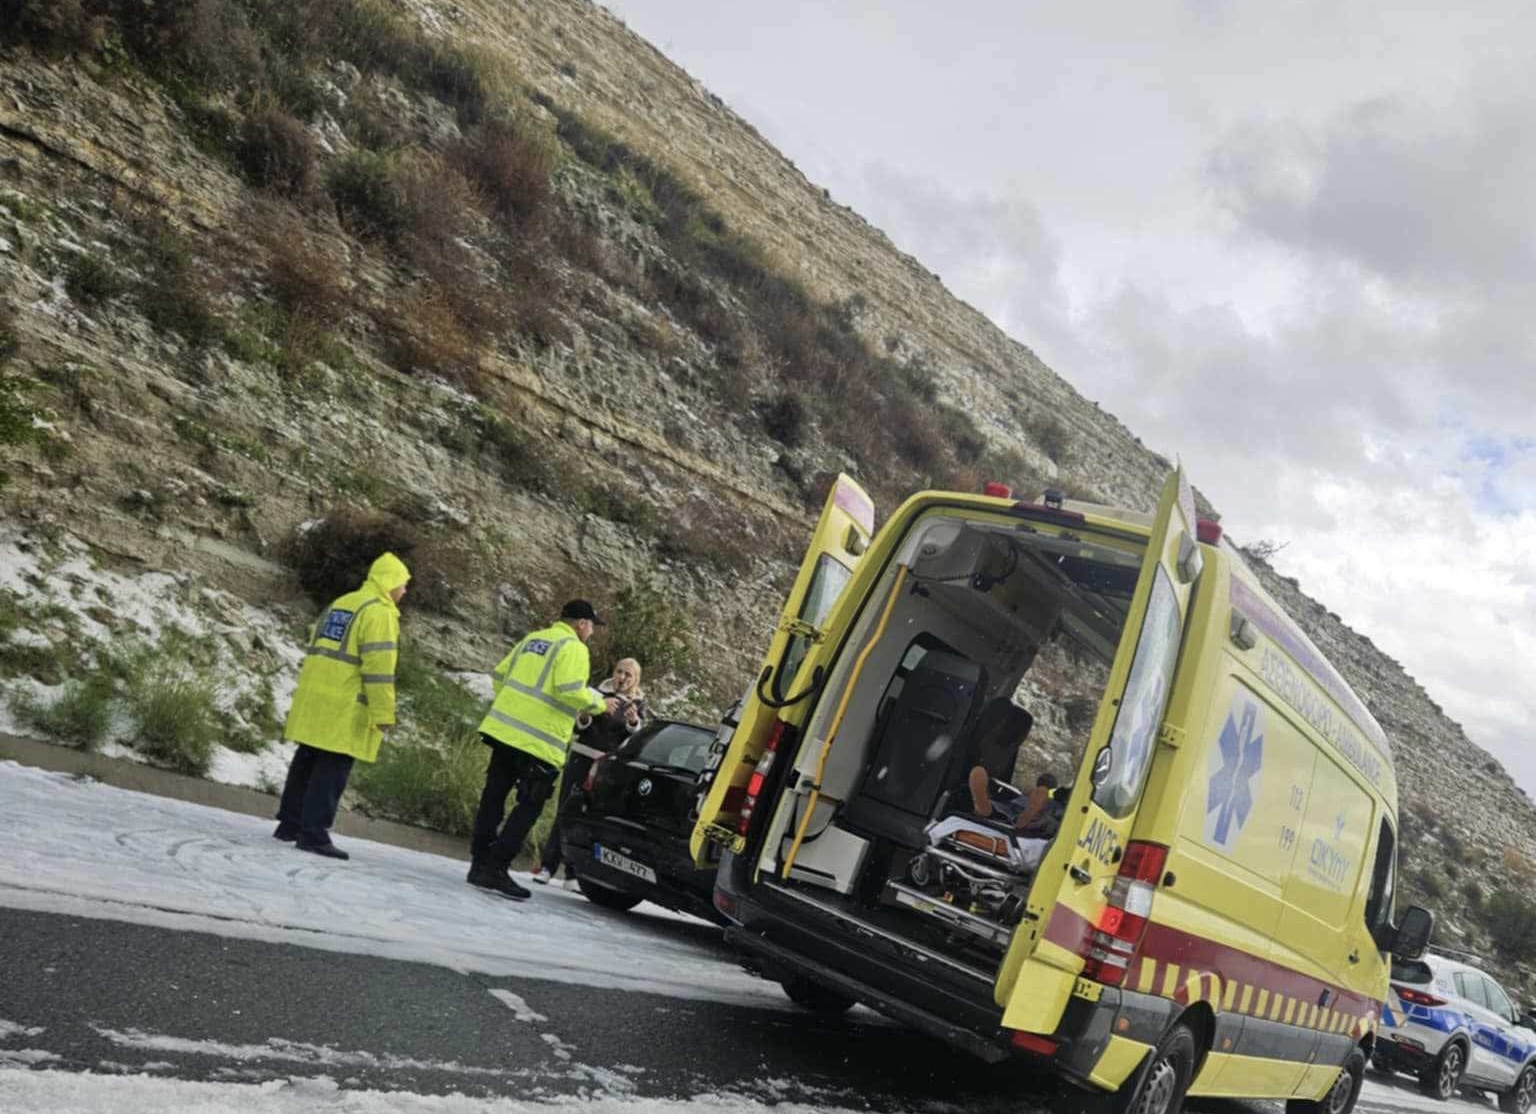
(576, 767)
(535, 781)
(316, 779)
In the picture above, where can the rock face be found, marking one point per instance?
(607, 456)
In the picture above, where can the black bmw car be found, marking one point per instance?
(626, 831)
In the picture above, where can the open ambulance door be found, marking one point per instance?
(841, 537)
(1073, 885)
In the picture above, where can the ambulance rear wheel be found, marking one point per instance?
(1158, 1088)
(1341, 1097)
(1443, 1076)
(816, 998)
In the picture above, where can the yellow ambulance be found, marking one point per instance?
(1204, 906)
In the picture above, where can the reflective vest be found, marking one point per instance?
(347, 683)
(541, 687)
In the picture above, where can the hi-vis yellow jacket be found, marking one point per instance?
(541, 687)
(347, 685)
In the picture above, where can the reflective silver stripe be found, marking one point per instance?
(378, 678)
(377, 647)
(571, 686)
(549, 660)
(337, 655)
(542, 697)
(542, 736)
(586, 751)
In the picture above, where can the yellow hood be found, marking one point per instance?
(388, 573)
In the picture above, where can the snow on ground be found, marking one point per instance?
(85, 849)
(67, 597)
(52, 1092)
(55, 1092)
(1400, 1095)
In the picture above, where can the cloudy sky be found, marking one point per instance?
(1294, 244)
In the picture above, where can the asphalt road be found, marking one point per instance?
(104, 996)
(119, 997)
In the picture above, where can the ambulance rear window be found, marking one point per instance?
(1412, 971)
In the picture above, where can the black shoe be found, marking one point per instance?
(286, 832)
(315, 847)
(497, 881)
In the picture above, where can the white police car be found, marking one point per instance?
(1452, 1026)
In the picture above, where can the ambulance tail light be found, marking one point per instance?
(1113, 943)
(759, 777)
(1417, 997)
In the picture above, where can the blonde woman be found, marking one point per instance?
(596, 735)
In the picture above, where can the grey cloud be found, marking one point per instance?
(1200, 380)
(1434, 203)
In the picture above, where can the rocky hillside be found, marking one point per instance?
(497, 283)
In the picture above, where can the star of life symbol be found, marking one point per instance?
(1236, 762)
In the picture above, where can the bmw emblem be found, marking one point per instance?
(644, 788)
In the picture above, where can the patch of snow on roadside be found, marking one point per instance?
(63, 597)
(55, 1092)
(278, 1048)
(9, 1029)
(518, 1007)
(26, 1057)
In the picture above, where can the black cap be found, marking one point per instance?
(581, 609)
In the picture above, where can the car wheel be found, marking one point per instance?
(601, 895)
(1518, 1099)
(816, 998)
(1341, 1097)
(1158, 1087)
(1441, 1078)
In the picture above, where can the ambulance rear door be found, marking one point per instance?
(1074, 879)
(841, 537)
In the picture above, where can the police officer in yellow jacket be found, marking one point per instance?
(541, 687)
(344, 703)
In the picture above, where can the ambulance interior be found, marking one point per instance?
(933, 664)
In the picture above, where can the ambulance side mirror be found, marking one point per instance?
(1412, 933)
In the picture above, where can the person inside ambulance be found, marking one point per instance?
(1000, 730)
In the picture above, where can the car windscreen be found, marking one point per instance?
(679, 746)
(1412, 971)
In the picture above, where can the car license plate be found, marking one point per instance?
(624, 863)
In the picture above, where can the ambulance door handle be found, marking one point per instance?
(1079, 875)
